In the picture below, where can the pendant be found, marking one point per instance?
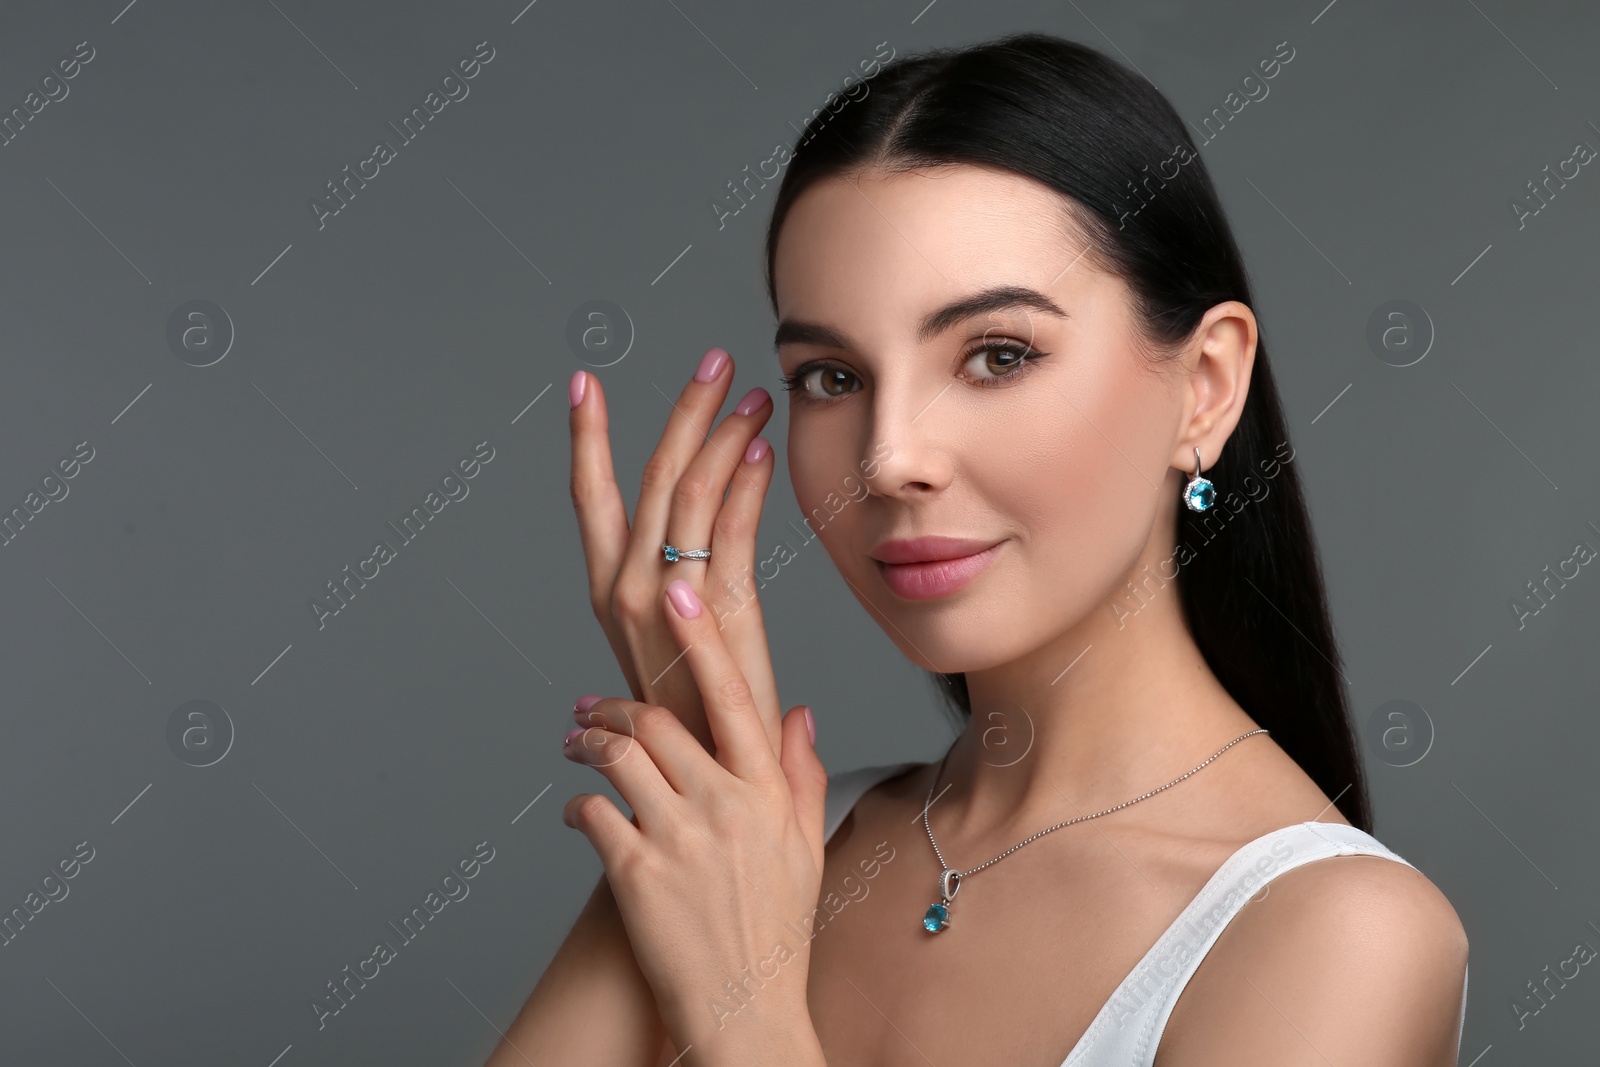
(937, 916)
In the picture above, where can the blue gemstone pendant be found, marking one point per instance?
(937, 916)
(1199, 494)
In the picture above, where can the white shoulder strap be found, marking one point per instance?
(1128, 1027)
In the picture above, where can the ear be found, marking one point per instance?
(1218, 360)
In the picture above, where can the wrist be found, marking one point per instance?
(748, 1025)
(789, 1040)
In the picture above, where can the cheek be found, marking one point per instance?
(822, 470)
(1079, 474)
(806, 467)
(828, 486)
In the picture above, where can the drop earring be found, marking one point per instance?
(1199, 494)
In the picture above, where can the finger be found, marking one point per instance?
(627, 766)
(733, 532)
(731, 584)
(686, 429)
(598, 819)
(742, 745)
(602, 516)
(680, 757)
(808, 779)
(698, 497)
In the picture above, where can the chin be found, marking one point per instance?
(951, 656)
(973, 632)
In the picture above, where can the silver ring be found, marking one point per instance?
(673, 555)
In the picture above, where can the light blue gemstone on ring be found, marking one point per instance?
(937, 918)
(672, 553)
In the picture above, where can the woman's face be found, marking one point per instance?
(1028, 429)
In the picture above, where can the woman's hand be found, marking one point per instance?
(681, 503)
(719, 876)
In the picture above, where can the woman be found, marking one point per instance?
(1033, 424)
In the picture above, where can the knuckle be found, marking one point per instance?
(691, 490)
(774, 787)
(617, 750)
(659, 472)
(636, 867)
(603, 748)
(653, 720)
(586, 487)
(589, 808)
(731, 523)
(629, 604)
(734, 692)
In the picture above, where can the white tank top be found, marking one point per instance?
(1129, 1026)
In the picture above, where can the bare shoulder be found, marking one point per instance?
(892, 788)
(1354, 959)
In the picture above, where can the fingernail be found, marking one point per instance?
(711, 365)
(572, 733)
(811, 724)
(757, 450)
(576, 386)
(683, 599)
(752, 401)
(585, 703)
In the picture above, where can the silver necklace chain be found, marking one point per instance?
(963, 874)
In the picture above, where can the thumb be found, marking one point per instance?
(808, 779)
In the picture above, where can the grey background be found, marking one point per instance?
(372, 754)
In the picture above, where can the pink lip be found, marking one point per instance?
(927, 567)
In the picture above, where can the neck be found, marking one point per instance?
(1113, 708)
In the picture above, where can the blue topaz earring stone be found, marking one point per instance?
(937, 916)
(1199, 494)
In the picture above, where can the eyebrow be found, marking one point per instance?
(997, 298)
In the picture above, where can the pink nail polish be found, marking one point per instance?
(811, 725)
(572, 733)
(711, 365)
(576, 387)
(683, 599)
(757, 450)
(585, 703)
(752, 401)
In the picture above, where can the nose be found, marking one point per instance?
(907, 455)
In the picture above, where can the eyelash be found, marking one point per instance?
(794, 381)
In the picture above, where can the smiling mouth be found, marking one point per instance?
(928, 579)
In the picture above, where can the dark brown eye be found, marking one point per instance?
(821, 381)
(997, 361)
(836, 381)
